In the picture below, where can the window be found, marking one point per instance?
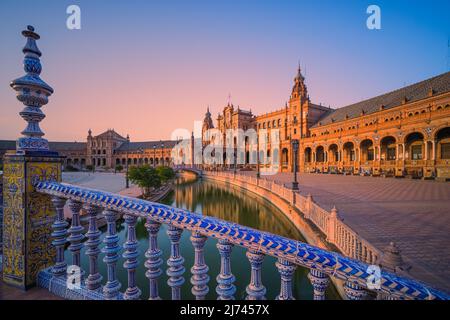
(370, 155)
(445, 151)
(416, 152)
(390, 154)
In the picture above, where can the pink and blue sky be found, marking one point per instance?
(148, 67)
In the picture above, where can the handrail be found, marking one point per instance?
(299, 253)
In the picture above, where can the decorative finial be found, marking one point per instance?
(33, 92)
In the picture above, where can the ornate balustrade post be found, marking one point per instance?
(309, 204)
(94, 279)
(28, 215)
(111, 251)
(354, 291)
(286, 270)
(255, 290)
(199, 271)
(154, 261)
(319, 281)
(225, 287)
(76, 236)
(131, 254)
(175, 262)
(59, 235)
(332, 222)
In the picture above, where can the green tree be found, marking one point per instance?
(119, 167)
(145, 177)
(165, 173)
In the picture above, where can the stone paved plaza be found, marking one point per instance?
(415, 214)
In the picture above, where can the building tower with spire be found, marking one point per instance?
(207, 124)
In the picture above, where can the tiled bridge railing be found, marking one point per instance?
(337, 231)
(290, 253)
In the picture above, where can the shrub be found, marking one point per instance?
(165, 173)
(145, 177)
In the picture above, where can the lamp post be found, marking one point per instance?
(258, 174)
(162, 153)
(295, 150)
(127, 182)
(154, 156)
(234, 156)
(141, 156)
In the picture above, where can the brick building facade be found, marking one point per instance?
(403, 132)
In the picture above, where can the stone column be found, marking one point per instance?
(175, 262)
(111, 250)
(131, 263)
(28, 215)
(354, 291)
(319, 281)
(199, 270)
(154, 261)
(225, 287)
(59, 235)
(433, 150)
(94, 279)
(255, 290)
(286, 270)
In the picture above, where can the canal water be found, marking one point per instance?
(224, 202)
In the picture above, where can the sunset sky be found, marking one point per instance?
(149, 67)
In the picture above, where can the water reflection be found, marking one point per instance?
(228, 203)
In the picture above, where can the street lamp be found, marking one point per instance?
(162, 153)
(234, 162)
(127, 182)
(141, 155)
(258, 174)
(295, 150)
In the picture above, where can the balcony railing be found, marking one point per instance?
(290, 253)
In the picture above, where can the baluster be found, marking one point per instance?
(94, 279)
(111, 250)
(76, 237)
(60, 237)
(200, 278)
(319, 281)
(154, 261)
(225, 287)
(175, 263)
(286, 270)
(357, 249)
(131, 254)
(354, 291)
(255, 290)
